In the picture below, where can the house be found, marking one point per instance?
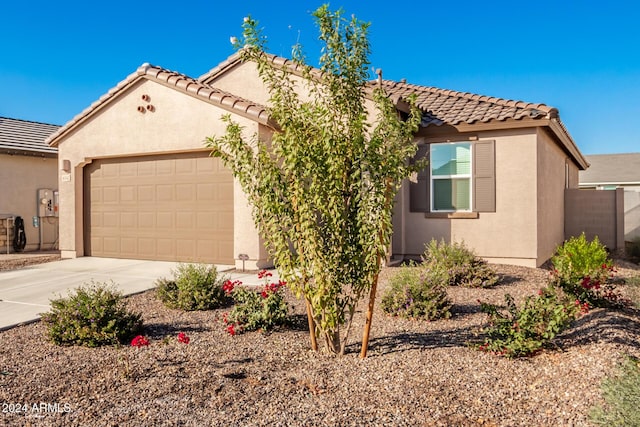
(136, 181)
(612, 171)
(27, 165)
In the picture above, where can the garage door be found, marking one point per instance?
(169, 208)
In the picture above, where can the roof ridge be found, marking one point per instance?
(473, 96)
(29, 121)
(176, 80)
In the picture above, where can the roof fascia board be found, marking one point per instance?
(563, 136)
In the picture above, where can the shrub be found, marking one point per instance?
(517, 332)
(621, 394)
(417, 292)
(262, 309)
(633, 249)
(633, 290)
(461, 265)
(194, 287)
(583, 270)
(578, 258)
(92, 315)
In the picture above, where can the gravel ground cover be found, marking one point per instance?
(416, 373)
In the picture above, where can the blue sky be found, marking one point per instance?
(582, 57)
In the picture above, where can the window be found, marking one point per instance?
(459, 179)
(450, 177)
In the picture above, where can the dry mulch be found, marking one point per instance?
(416, 372)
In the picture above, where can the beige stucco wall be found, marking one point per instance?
(178, 123)
(20, 179)
(551, 184)
(508, 235)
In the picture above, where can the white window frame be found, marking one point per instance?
(468, 176)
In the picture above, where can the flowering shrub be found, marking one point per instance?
(461, 265)
(139, 341)
(517, 332)
(142, 341)
(583, 270)
(194, 287)
(417, 293)
(92, 315)
(262, 309)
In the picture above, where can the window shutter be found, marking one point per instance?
(484, 176)
(419, 191)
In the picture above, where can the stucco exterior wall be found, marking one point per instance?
(508, 235)
(20, 179)
(554, 173)
(176, 123)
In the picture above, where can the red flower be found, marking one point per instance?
(264, 273)
(264, 294)
(139, 341)
(183, 338)
(229, 285)
(231, 329)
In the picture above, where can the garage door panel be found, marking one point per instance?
(174, 208)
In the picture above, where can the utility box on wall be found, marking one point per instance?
(47, 202)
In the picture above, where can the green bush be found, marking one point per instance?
(194, 287)
(633, 249)
(517, 332)
(578, 258)
(91, 316)
(621, 394)
(416, 292)
(583, 270)
(262, 309)
(459, 263)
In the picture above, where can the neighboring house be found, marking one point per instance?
(141, 185)
(612, 171)
(27, 164)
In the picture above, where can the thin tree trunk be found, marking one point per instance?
(312, 326)
(374, 286)
(369, 319)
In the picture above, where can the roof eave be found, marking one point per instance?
(565, 139)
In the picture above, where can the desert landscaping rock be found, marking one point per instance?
(416, 372)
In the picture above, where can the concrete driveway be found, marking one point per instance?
(26, 292)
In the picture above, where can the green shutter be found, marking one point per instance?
(419, 191)
(484, 176)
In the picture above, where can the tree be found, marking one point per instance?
(322, 188)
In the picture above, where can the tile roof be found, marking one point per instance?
(441, 106)
(26, 138)
(449, 107)
(177, 81)
(612, 169)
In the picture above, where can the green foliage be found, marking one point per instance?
(633, 290)
(578, 258)
(621, 394)
(93, 315)
(633, 249)
(583, 270)
(194, 287)
(417, 293)
(517, 332)
(323, 184)
(257, 309)
(459, 264)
